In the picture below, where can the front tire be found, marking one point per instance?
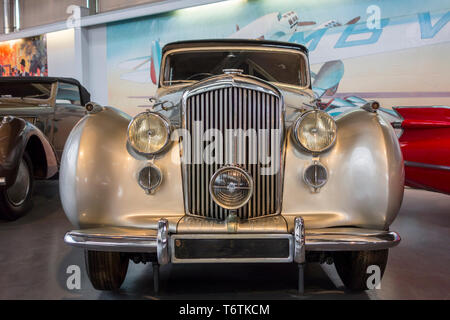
(16, 201)
(352, 266)
(106, 270)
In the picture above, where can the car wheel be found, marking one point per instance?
(17, 199)
(352, 266)
(106, 270)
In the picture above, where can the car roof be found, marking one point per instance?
(233, 42)
(40, 79)
(85, 95)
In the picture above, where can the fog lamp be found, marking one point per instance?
(315, 175)
(231, 187)
(150, 178)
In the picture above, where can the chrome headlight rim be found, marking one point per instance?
(167, 127)
(242, 171)
(297, 125)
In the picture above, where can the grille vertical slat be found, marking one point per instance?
(197, 185)
(258, 176)
(255, 117)
(233, 108)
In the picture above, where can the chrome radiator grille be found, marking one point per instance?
(234, 108)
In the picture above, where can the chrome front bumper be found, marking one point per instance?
(161, 242)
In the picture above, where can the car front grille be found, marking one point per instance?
(234, 107)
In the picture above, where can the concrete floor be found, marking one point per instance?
(34, 260)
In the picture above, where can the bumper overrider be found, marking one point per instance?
(230, 247)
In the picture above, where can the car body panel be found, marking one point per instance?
(15, 133)
(99, 177)
(47, 120)
(107, 192)
(425, 144)
(358, 192)
(424, 136)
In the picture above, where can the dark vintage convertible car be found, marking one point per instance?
(36, 117)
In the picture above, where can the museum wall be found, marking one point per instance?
(379, 63)
(55, 11)
(62, 48)
(114, 61)
(108, 5)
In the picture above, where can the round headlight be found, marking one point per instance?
(231, 187)
(148, 133)
(315, 131)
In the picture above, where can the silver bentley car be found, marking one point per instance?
(233, 162)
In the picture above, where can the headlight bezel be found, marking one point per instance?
(166, 125)
(296, 128)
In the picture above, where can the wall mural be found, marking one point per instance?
(24, 57)
(402, 59)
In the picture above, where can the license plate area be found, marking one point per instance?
(231, 248)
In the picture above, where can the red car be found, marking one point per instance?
(425, 144)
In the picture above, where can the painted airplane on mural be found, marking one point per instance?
(139, 69)
(281, 27)
(275, 26)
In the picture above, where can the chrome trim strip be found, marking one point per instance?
(232, 236)
(355, 240)
(431, 107)
(299, 237)
(426, 165)
(111, 243)
(162, 242)
(331, 239)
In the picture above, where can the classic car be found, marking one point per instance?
(233, 162)
(425, 143)
(36, 117)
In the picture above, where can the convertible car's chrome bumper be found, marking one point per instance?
(163, 244)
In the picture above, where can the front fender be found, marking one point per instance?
(366, 177)
(98, 177)
(15, 133)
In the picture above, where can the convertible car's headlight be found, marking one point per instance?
(149, 133)
(315, 131)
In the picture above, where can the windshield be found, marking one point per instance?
(25, 90)
(274, 66)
